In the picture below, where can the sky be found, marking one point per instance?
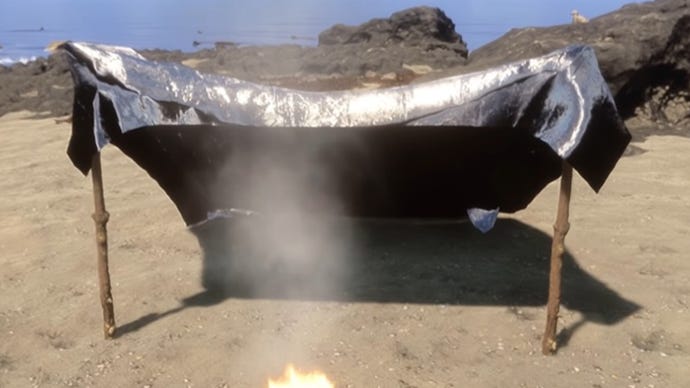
(175, 24)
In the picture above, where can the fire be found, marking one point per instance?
(293, 378)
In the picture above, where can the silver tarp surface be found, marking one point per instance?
(488, 140)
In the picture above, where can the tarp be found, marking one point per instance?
(472, 144)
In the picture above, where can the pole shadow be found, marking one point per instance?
(408, 262)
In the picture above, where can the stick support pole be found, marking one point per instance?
(560, 229)
(100, 218)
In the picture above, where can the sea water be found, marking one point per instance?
(28, 26)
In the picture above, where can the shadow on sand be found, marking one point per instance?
(412, 262)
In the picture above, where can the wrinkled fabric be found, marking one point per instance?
(483, 219)
(560, 100)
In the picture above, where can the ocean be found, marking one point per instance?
(28, 26)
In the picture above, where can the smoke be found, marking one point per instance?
(293, 243)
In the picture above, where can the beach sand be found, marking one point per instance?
(437, 306)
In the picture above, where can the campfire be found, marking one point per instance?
(293, 378)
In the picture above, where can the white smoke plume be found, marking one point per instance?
(294, 244)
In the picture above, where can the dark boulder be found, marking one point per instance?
(419, 26)
(416, 36)
(643, 51)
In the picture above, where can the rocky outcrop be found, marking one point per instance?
(643, 52)
(659, 92)
(412, 39)
(42, 86)
(420, 36)
(425, 27)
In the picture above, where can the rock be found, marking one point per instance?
(419, 26)
(421, 35)
(221, 44)
(193, 62)
(640, 48)
(43, 85)
(664, 107)
(341, 34)
(391, 76)
(418, 69)
(370, 74)
(166, 55)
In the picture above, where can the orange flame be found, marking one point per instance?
(293, 378)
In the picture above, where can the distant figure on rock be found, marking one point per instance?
(577, 18)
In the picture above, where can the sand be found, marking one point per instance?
(428, 305)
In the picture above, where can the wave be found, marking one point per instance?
(8, 61)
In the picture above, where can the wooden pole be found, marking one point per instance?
(560, 229)
(100, 217)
